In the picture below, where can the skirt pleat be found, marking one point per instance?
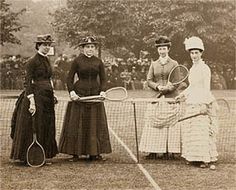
(197, 142)
(44, 124)
(85, 130)
(165, 138)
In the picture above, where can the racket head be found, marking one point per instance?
(219, 108)
(35, 156)
(178, 74)
(116, 94)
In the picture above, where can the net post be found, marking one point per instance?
(136, 131)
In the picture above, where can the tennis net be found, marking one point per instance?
(126, 122)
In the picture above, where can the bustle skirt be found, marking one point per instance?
(199, 136)
(21, 125)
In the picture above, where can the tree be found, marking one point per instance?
(134, 25)
(9, 23)
(211, 20)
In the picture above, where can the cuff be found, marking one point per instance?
(156, 87)
(30, 96)
(72, 93)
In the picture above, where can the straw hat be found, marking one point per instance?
(88, 40)
(45, 38)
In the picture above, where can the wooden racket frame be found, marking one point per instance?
(37, 143)
(101, 97)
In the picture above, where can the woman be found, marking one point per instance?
(36, 101)
(162, 139)
(198, 133)
(85, 129)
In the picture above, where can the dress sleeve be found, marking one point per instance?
(150, 78)
(102, 76)
(207, 79)
(186, 91)
(71, 74)
(29, 82)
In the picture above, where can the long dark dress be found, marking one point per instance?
(85, 129)
(38, 74)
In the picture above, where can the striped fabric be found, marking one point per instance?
(198, 143)
(162, 134)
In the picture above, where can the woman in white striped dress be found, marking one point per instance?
(198, 133)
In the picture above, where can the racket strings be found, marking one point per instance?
(178, 74)
(116, 94)
(36, 156)
(220, 109)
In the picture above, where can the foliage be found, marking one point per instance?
(9, 24)
(134, 25)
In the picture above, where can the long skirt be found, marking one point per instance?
(199, 137)
(161, 132)
(85, 129)
(22, 131)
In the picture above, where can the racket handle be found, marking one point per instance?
(191, 116)
(33, 124)
(159, 95)
(89, 97)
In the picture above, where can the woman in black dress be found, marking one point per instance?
(85, 129)
(36, 100)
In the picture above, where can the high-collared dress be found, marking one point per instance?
(85, 128)
(38, 83)
(164, 137)
(199, 133)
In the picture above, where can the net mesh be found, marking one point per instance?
(126, 122)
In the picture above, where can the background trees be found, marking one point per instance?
(132, 26)
(9, 24)
(128, 26)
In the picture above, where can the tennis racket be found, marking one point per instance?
(219, 109)
(35, 153)
(176, 76)
(113, 94)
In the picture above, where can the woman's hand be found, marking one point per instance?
(203, 109)
(170, 86)
(74, 96)
(32, 107)
(55, 99)
(163, 89)
(180, 98)
(103, 94)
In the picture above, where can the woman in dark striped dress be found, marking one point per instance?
(37, 100)
(85, 129)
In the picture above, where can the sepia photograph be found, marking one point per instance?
(118, 95)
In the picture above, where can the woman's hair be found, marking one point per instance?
(196, 49)
(37, 45)
(88, 44)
